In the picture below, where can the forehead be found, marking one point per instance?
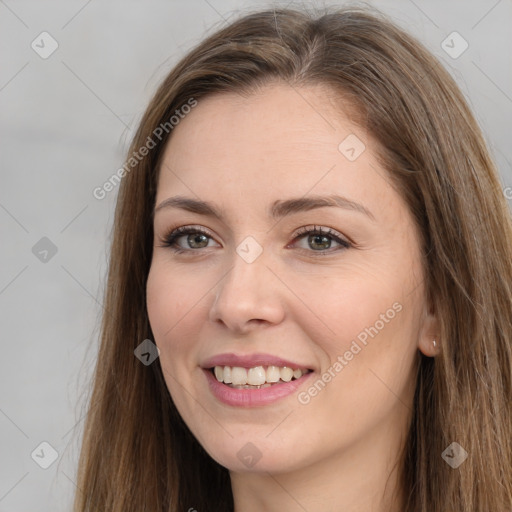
(308, 114)
(272, 144)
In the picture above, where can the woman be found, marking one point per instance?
(309, 294)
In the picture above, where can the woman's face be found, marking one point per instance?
(252, 289)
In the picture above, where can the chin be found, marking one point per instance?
(243, 455)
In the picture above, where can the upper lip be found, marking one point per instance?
(250, 361)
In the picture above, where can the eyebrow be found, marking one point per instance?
(279, 209)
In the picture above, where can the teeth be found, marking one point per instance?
(258, 376)
(219, 373)
(273, 374)
(238, 376)
(247, 386)
(286, 374)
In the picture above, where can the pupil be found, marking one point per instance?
(321, 237)
(194, 239)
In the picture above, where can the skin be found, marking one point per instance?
(336, 452)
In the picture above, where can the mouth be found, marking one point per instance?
(256, 377)
(254, 380)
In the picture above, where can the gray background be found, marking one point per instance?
(66, 122)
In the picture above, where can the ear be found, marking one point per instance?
(429, 333)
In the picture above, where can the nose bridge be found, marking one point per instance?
(246, 278)
(246, 292)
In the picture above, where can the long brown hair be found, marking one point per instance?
(138, 455)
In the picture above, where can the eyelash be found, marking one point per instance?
(169, 240)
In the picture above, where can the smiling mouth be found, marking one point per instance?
(257, 377)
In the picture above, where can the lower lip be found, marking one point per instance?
(252, 397)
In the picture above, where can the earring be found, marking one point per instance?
(434, 343)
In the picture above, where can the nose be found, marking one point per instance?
(247, 296)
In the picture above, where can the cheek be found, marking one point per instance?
(170, 308)
(375, 324)
(169, 300)
(346, 307)
(178, 310)
(368, 334)
(370, 360)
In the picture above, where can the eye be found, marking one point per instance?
(196, 238)
(320, 239)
